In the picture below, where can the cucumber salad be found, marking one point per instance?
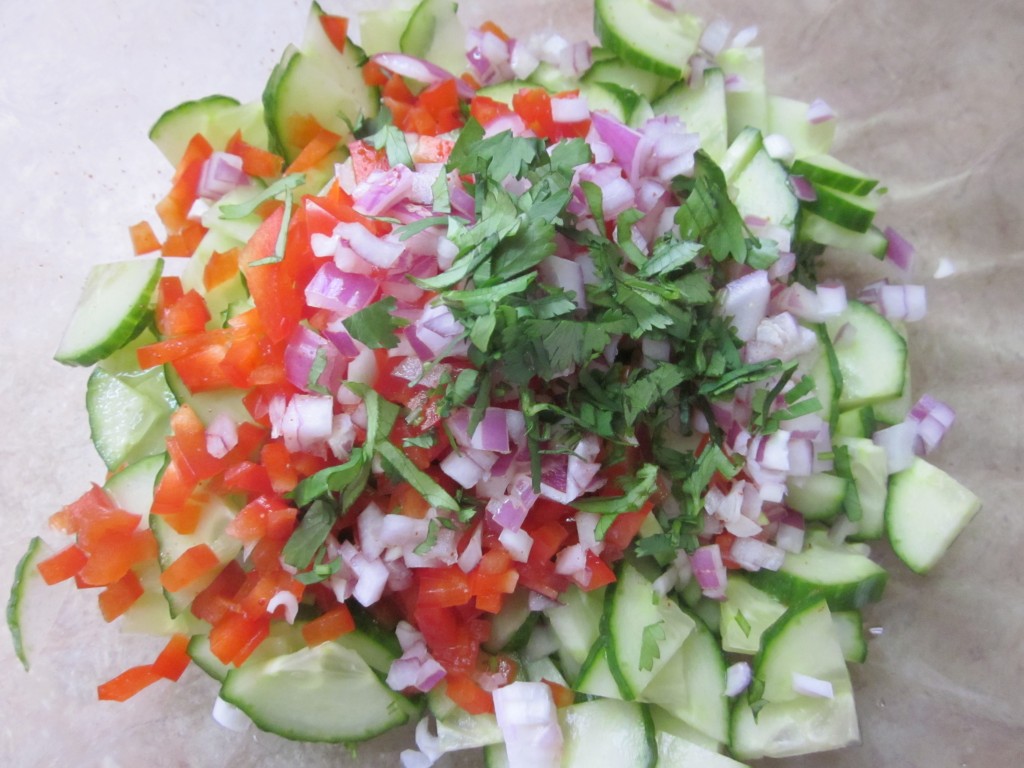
(494, 387)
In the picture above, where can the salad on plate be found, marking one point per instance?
(496, 386)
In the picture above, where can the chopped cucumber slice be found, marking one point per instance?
(380, 30)
(114, 304)
(645, 631)
(828, 171)
(848, 211)
(25, 575)
(789, 722)
(648, 36)
(632, 78)
(824, 232)
(675, 751)
(747, 612)
(872, 357)
(763, 191)
(210, 530)
(216, 118)
(869, 467)
(576, 623)
(434, 33)
(926, 511)
(327, 693)
(817, 497)
(691, 686)
(126, 423)
(701, 109)
(847, 579)
(594, 730)
(849, 629)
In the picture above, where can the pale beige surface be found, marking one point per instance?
(929, 93)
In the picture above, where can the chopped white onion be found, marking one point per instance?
(737, 678)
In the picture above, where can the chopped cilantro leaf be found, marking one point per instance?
(376, 325)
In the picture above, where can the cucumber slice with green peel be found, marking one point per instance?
(926, 510)
(435, 33)
(851, 212)
(512, 625)
(327, 693)
(828, 171)
(872, 356)
(691, 686)
(666, 723)
(503, 92)
(740, 152)
(847, 579)
(551, 78)
(495, 756)
(26, 574)
(210, 530)
(544, 668)
(127, 423)
(762, 191)
(747, 612)
(597, 730)
(818, 230)
(789, 722)
(621, 103)
(595, 677)
(461, 730)
(217, 118)
(648, 36)
(849, 629)
(576, 623)
(701, 109)
(625, 75)
(199, 651)
(788, 117)
(869, 468)
(817, 497)
(208, 405)
(747, 101)
(860, 422)
(132, 488)
(675, 751)
(645, 631)
(303, 86)
(380, 31)
(114, 304)
(890, 412)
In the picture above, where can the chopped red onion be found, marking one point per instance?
(564, 274)
(944, 269)
(378, 251)
(709, 570)
(491, 434)
(305, 422)
(621, 139)
(715, 36)
(221, 436)
(898, 302)
(933, 418)
(472, 554)
(288, 601)
(745, 37)
(569, 109)
(805, 685)
(779, 336)
(801, 457)
(898, 442)
(528, 721)
(790, 538)
(779, 148)
(522, 60)
(745, 300)
(420, 70)
(371, 578)
(462, 469)
(304, 346)
(900, 252)
(736, 84)
(229, 716)
(342, 292)
(819, 112)
(737, 678)
(803, 189)
(517, 543)
(571, 559)
(221, 173)
(754, 555)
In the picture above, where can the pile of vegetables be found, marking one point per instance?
(446, 342)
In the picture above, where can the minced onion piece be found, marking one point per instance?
(754, 555)
(933, 419)
(780, 148)
(420, 70)
(221, 173)
(229, 716)
(898, 442)
(899, 251)
(517, 543)
(288, 601)
(528, 721)
(745, 301)
(819, 112)
(745, 37)
(805, 685)
(221, 436)
(709, 570)
(737, 678)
